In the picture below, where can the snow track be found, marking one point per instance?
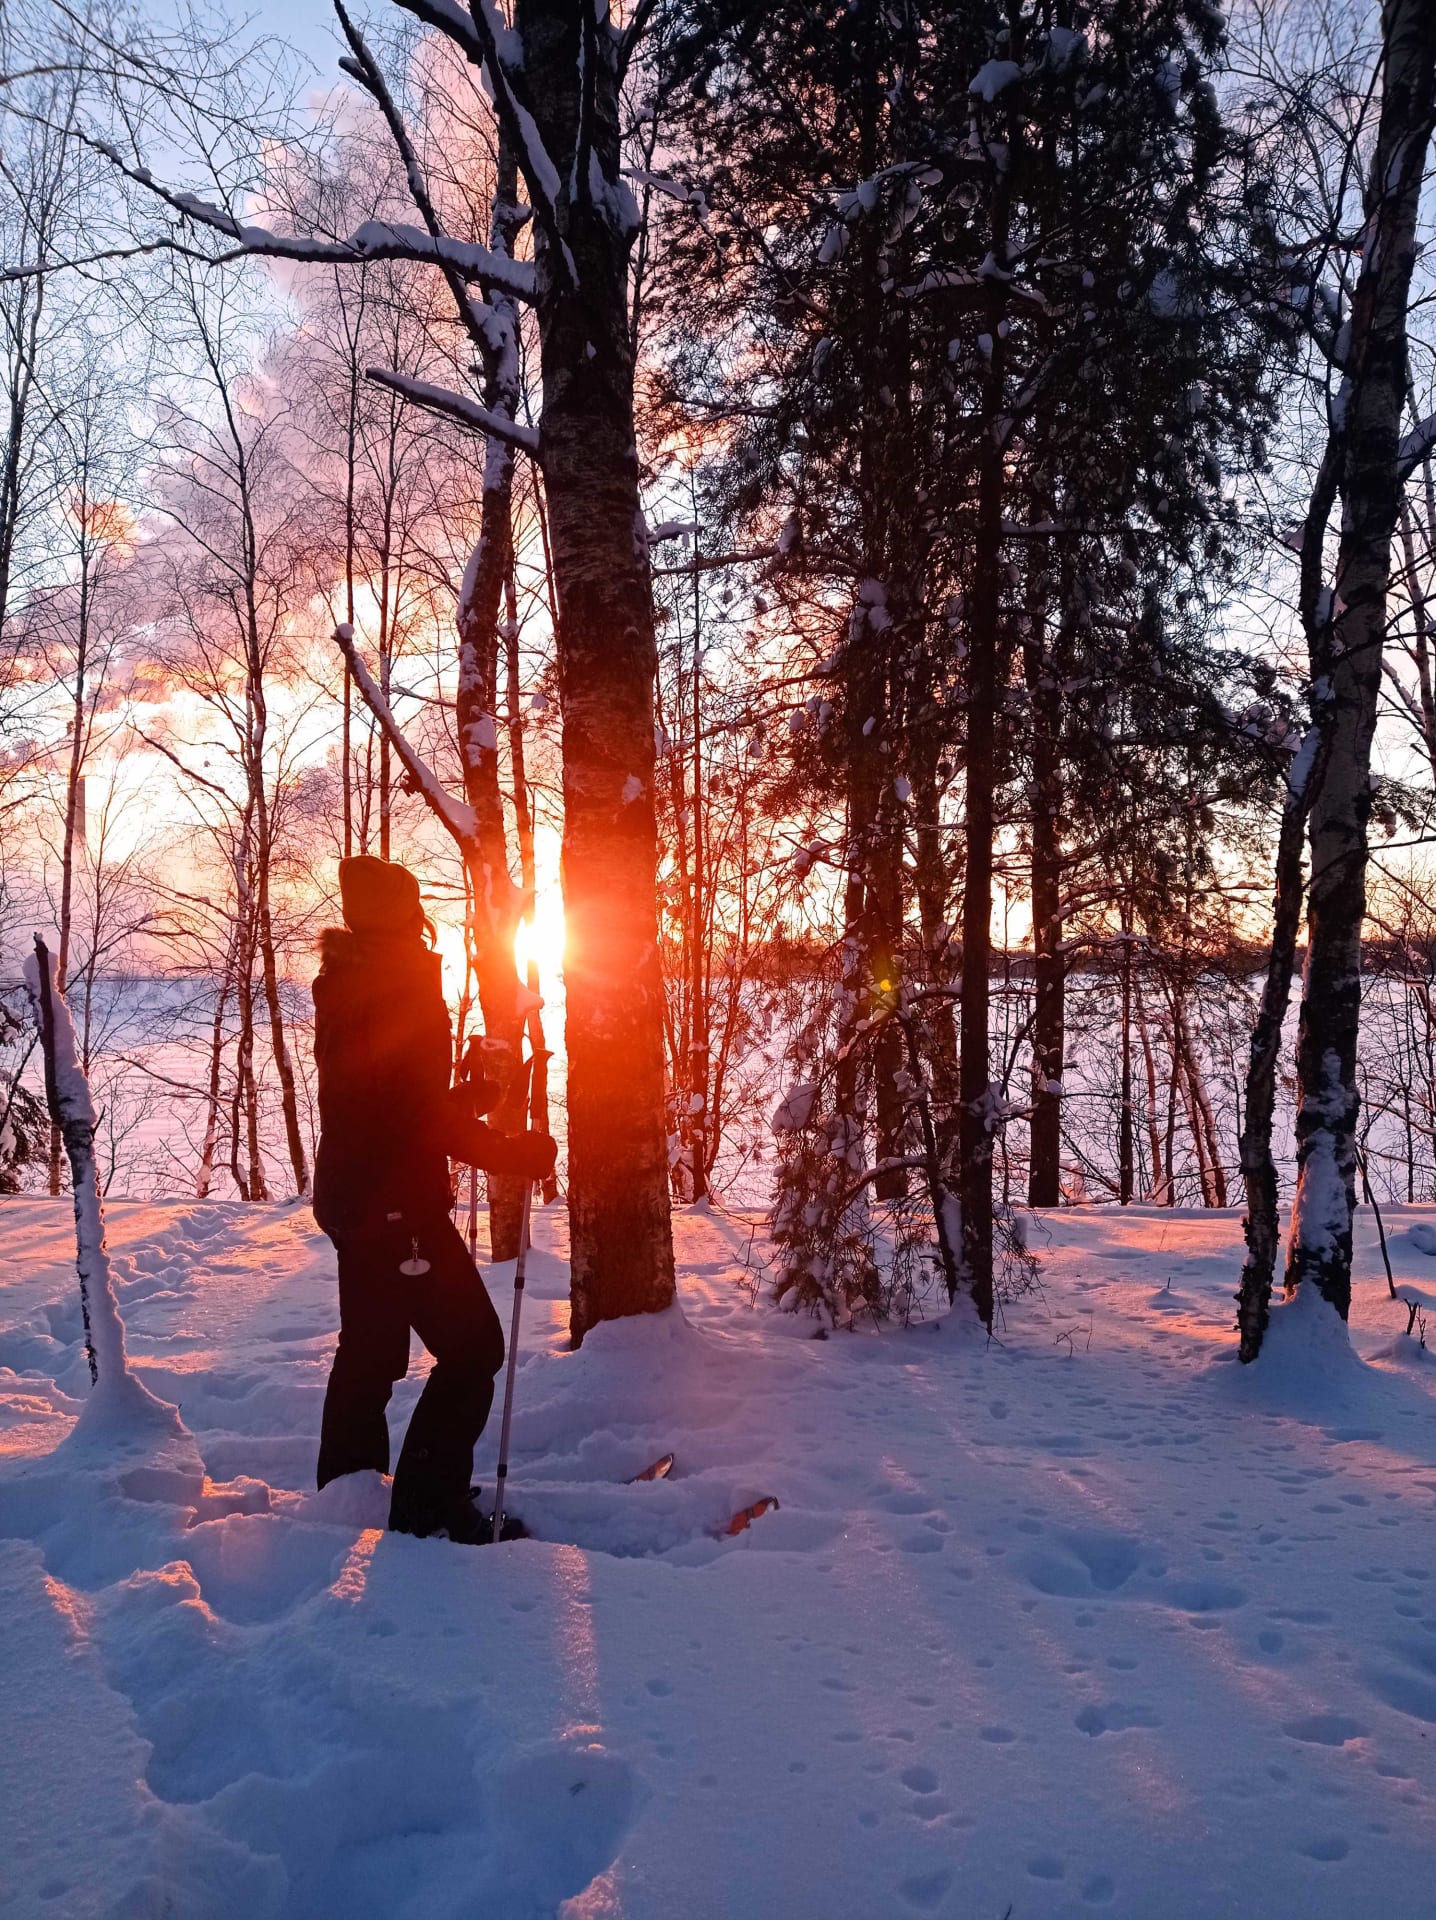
(1089, 1622)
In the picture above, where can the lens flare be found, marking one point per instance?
(540, 939)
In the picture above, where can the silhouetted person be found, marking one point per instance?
(389, 1125)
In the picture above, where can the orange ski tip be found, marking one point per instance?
(658, 1469)
(745, 1516)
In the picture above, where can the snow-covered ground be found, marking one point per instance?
(1086, 1622)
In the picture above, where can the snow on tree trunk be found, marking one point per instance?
(622, 1249)
(117, 1394)
(1375, 367)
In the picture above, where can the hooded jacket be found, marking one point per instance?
(389, 1122)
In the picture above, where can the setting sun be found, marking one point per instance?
(540, 939)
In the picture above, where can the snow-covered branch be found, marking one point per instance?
(460, 819)
(492, 43)
(1418, 445)
(710, 562)
(634, 32)
(371, 240)
(456, 406)
(478, 319)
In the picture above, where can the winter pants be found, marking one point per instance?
(452, 1314)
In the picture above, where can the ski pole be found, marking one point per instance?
(503, 1473)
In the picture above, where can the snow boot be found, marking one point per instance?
(463, 1522)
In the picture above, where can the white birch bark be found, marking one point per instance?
(116, 1391)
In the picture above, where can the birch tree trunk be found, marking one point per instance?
(1328, 1101)
(1261, 1226)
(204, 1178)
(74, 808)
(263, 916)
(116, 1392)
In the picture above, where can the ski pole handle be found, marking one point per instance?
(501, 1478)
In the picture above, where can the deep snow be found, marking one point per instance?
(1088, 1622)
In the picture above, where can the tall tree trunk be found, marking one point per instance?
(1328, 1101)
(931, 886)
(884, 923)
(620, 1236)
(528, 873)
(1049, 968)
(1261, 1226)
(279, 1045)
(977, 1113)
(263, 916)
(976, 1118)
(1169, 1143)
(1149, 1067)
(250, 1180)
(72, 1111)
(1126, 1156)
(204, 1178)
(74, 816)
(498, 904)
(1214, 1179)
(696, 1064)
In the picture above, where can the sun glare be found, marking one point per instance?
(540, 939)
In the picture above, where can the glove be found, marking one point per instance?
(538, 1153)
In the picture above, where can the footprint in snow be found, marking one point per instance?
(1085, 1564)
(1406, 1679)
(925, 1890)
(558, 1819)
(258, 1567)
(1325, 1730)
(1200, 1595)
(1329, 1849)
(906, 1501)
(1114, 1717)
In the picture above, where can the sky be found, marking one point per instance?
(308, 26)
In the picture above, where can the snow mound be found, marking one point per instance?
(1306, 1361)
(354, 1500)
